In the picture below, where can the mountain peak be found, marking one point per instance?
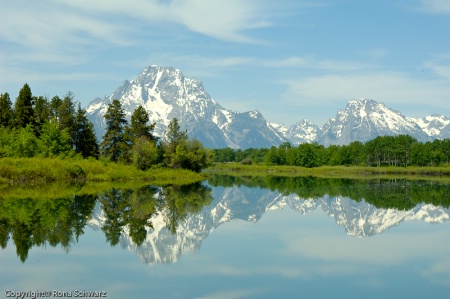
(166, 93)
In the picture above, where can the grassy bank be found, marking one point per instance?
(331, 171)
(48, 170)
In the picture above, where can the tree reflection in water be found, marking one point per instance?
(36, 220)
(60, 221)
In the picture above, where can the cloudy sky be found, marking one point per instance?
(290, 59)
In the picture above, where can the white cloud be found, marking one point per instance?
(436, 6)
(222, 19)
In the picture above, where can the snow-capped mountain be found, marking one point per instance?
(305, 131)
(358, 218)
(166, 94)
(363, 120)
(437, 126)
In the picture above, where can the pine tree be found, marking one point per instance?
(24, 107)
(85, 141)
(66, 116)
(55, 103)
(6, 111)
(173, 137)
(41, 113)
(113, 145)
(138, 127)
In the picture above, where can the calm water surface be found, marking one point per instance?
(233, 238)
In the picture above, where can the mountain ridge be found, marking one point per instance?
(166, 93)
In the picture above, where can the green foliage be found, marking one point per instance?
(24, 108)
(6, 111)
(113, 145)
(85, 141)
(24, 143)
(180, 152)
(41, 111)
(396, 151)
(190, 154)
(172, 137)
(67, 117)
(44, 170)
(139, 127)
(54, 107)
(145, 153)
(55, 142)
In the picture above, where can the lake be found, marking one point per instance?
(230, 237)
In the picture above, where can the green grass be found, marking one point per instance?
(48, 170)
(442, 172)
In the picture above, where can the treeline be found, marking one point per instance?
(36, 126)
(401, 150)
(39, 127)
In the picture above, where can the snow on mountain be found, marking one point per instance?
(304, 131)
(437, 126)
(166, 94)
(364, 120)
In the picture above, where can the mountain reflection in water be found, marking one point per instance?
(160, 224)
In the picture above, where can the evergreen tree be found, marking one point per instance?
(6, 111)
(66, 116)
(41, 113)
(113, 145)
(24, 107)
(173, 137)
(85, 141)
(138, 127)
(55, 103)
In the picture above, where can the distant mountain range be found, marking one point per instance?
(166, 93)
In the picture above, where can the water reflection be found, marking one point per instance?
(160, 224)
(42, 221)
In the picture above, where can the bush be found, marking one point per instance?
(145, 153)
(76, 172)
(247, 161)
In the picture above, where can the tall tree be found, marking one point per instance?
(41, 111)
(55, 103)
(85, 140)
(66, 116)
(139, 126)
(113, 145)
(173, 137)
(6, 111)
(24, 107)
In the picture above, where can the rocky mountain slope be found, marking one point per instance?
(166, 93)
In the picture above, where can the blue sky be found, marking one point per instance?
(289, 59)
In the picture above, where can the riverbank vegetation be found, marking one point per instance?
(383, 151)
(46, 170)
(44, 140)
(353, 172)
